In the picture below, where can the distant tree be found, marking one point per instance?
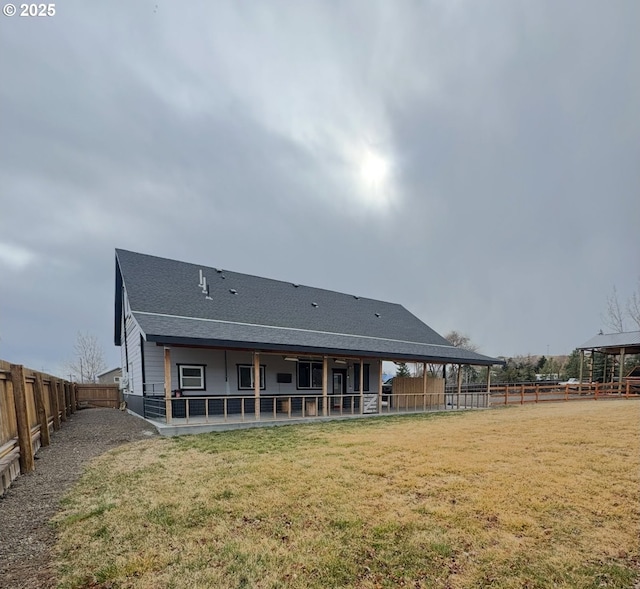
(460, 340)
(540, 364)
(572, 367)
(88, 361)
(402, 369)
(549, 368)
(517, 369)
(614, 316)
(598, 374)
(633, 306)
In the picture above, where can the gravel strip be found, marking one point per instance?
(31, 501)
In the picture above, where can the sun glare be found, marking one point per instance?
(374, 171)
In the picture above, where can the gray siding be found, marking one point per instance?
(221, 378)
(154, 368)
(131, 339)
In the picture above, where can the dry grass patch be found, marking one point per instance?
(539, 496)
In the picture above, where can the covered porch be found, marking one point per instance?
(317, 387)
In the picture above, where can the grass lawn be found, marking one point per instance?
(533, 496)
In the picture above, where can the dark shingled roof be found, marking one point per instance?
(245, 311)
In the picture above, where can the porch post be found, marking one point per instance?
(325, 377)
(581, 369)
(459, 380)
(256, 382)
(167, 383)
(489, 385)
(361, 386)
(380, 386)
(424, 387)
(622, 354)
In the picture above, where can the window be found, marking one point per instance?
(356, 377)
(191, 377)
(245, 377)
(309, 375)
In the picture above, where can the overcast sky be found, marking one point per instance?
(477, 162)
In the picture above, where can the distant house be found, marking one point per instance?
(202, 344)
(112, 376)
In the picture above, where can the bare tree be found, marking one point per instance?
(614, 316)
(633, 306)
(89, 358)
(460, 340)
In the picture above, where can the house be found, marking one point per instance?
(203, 345)
(112, 376)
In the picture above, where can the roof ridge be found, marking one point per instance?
(296, 284)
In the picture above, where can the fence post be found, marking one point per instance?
(596, 392)
(67, 399)
(628, 392)
(55, 405)
(566, 392)
(537, 392)
(38, 393)
(521, 394)
(22, 418)
(61, 404)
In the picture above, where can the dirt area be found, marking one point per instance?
(31, 501)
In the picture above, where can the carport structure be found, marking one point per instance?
(615, 347)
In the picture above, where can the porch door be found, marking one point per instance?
(338, 388)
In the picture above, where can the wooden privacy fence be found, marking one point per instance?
(32, 405)
(98, 395)
(409, 392)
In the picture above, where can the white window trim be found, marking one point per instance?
(182, 387)
(263, 377)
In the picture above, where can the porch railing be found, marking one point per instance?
(242, 408)
(217, 409)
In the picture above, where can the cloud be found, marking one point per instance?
(15, 257)
(235, 134)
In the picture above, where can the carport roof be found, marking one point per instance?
(613, 343)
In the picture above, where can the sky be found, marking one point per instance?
(478, 163)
